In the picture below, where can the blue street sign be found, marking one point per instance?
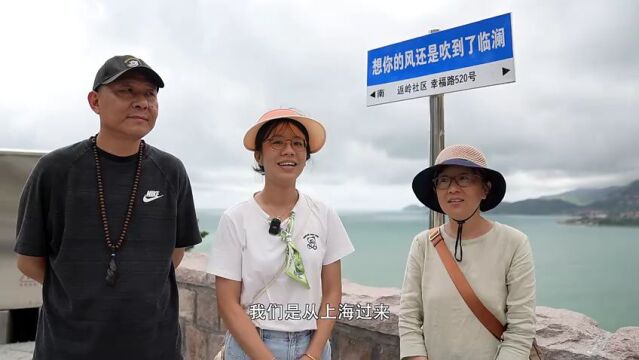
(469, 56)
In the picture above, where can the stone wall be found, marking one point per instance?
(202, 328)
(562, 334)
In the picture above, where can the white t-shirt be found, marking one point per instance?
(243, 250)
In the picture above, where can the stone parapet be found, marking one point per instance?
(562, 334)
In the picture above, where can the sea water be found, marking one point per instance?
(589, 269)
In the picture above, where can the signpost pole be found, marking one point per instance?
(436, 141)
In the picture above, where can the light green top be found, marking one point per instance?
(434, 320)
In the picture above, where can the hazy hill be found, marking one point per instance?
(583, 196)
(415, 208)
(624, 199)
(611, 202)
(537, 207)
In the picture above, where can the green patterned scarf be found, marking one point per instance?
(293, 266)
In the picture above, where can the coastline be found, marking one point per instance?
(594, 221)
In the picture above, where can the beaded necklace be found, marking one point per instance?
(112, 268)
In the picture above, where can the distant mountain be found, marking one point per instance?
(524, 207)
(583, 196)
(537, 207)
(624, 199)
(415, 208)
(618, 205)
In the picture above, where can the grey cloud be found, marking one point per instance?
(570, 114)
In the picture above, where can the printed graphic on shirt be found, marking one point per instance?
(311, 241)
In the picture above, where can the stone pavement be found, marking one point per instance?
(17, 351)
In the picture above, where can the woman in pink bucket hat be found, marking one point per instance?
(276, 257)
(436, 322)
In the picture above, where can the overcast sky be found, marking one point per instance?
(570, 119)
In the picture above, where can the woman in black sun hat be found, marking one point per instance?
(435, 321)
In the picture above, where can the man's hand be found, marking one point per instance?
(32, 266)
(177, 256)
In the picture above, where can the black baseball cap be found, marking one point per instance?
(118, 65)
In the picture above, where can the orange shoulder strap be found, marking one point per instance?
(484, 315)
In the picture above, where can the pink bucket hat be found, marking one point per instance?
(459, 155)
(316, 132)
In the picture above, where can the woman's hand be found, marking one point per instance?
(307, 356)
(331, 297)
(237, 321)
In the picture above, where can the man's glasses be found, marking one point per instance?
(279, 143)
(443, 182)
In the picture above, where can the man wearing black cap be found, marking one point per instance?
(103, 224)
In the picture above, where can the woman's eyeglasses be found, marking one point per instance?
(443, 182)
(279, 143)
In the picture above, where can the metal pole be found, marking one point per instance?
(436, 141)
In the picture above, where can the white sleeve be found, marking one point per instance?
(338, 244)
(225, 258)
